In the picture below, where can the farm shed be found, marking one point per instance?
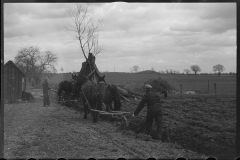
(13, 82)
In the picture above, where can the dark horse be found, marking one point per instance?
(65, 89)
(96, 95)
(109, 94)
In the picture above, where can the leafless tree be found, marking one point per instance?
(187, 71)
(218, 68)
(167, 71)
(135, 68)
(84, 29)
(195, 69)
(32, 62)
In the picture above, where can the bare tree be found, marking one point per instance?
(135, 68)
(61, 69)
(167, 71)
(195, 69)
(218, 68)
(32, 62)
(84, 29)
(187, 71)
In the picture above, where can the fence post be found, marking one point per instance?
(208, 86)
(215, 88)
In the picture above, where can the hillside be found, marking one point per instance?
(148, 72)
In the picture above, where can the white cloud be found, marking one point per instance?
(159, 35)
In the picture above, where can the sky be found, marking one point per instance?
(162, 36)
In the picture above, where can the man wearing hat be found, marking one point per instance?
(154, 111)
(45, 93)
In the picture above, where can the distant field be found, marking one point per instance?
(226, 84)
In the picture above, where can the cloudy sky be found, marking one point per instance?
(159, 35)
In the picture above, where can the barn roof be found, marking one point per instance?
(11, 63)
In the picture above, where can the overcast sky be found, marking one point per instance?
(159, 35)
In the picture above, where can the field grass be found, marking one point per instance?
(33, 131)
(225, 84)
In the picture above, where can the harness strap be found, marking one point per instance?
(109, 84)
(86, 99)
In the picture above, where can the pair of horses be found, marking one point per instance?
(94, 96)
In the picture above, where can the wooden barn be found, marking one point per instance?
(13, 82)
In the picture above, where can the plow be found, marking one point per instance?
(91, 72)
(112, 113)
(122, 114)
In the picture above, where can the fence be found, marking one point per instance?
(209, 89)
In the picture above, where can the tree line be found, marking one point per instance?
(217, 69)
(33, 62)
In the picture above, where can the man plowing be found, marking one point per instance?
(154, 111)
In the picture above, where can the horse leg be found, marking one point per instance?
(108, 107)
(59, 99)
(111, 107)
(117, 105)
(59, 95)
(94, 113)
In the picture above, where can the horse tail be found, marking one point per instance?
(115, 92)
(117, 101)
(116, 97)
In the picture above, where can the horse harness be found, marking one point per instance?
(95, 91)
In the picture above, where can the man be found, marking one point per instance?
(154, 111)
(45, 93)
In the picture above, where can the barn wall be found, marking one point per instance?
(12, 82)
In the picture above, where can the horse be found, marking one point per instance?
(67, 88)
(89, 95)
(96, 95)
(109, 94)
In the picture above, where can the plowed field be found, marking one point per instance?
(205, 125)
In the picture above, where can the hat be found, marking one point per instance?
(148, 86)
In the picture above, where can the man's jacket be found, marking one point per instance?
(45, 87)
(153, 103)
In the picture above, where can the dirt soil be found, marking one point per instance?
(205, 125)
(34, 131)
